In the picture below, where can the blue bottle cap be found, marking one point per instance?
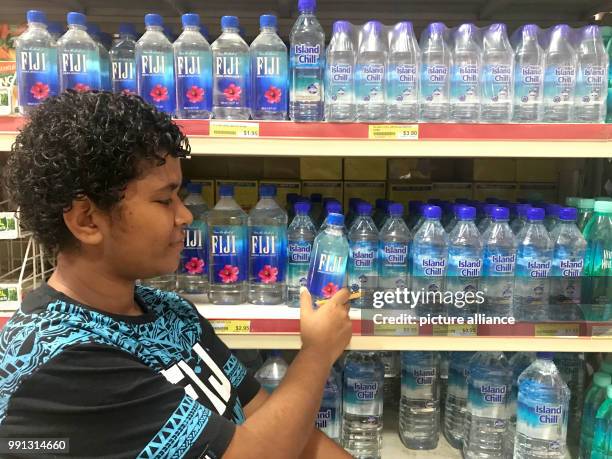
(127, 29)
(488, 208)
(379, 203)
(436, 28)
(373, 27)
(226, 190)
(153, 20)
(193, 187)
(316, 197)
(414, 206)
(498, 28)
(302, 207)
(335, 219)
(267, 20)
(568, 214)
(306, 5)
(230, 22)
(500, 213)
(190, 20)
(403, 28)
(466, 213)
(364, 208)
(395, 209)
(552, 210)
(36, 16)
(341, 27)
(545, 355)
(535, 214)
(267, 191)
(74, 18)
(333, 207)
(432, 212)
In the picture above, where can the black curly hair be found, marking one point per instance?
(83, 145)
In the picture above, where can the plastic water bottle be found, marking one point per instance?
(394, 251)
(419, 415)
(269, 72)
(489, 385)
(331, 207)
(193, 66)
(497, 75)
(370, 73)
(521, 218)
(486, 221)
(464, 261)
(306, 65)
(272, 372)
(79, 60)
(95, 33)
(230, 52)
(591, 77)
(552, 216)
(326, 272)
(560, 76)
(434, 89)
(363, 256)
(267, 249)
(594, 398)
(123, 61)
(585, 212)
(499, 261)
(340, 75)
(572, 367)
(429, 255)
(36, 55)
(300, 237)
(392, 364)
(602, 441)
(329, 416)
(228, 250)
(362, 418)
(155, 66)
(403, 70)
(465, 75)
(528, 76)
(533, 265)
(542, 411)
(456, 398)
(193, 270)
(519, 363)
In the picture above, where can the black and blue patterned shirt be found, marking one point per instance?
(158, 385)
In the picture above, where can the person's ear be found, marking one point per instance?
(84, 221)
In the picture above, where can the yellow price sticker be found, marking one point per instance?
(393, 131)
(231, 327)
(233, 129)
(602, 331)
(462, 330)
(395, 330)
(557, 330)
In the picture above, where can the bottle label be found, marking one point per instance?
(306, 70)
(599, 273)
(369, 83)
(394, 264)
(80, 70)
(193, 80)
(37, 75)
(230, 74)
(542, 420)
(268, 254)
(488, 400)
(464, 269)
(418, 382)
(298, 262)
(156, 79)
(497, 84)
(498, 262)
(434, 84)
(228, 247)
(362, 397)
(533, 267)
(457, 381)
(529, 80)
(591, 85)
(362, 265)
(465, 84)
(402, 84)
(326, 274)
(339, 84)
(194, 258)
(559, 84)
(270, 86)
(566, 274)
(428, 263)
(328, 421)
(123, 75)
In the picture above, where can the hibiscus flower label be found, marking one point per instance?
(194, 258)
(271, 81)
(230, 80)
(267, 254)
(193, 83)
(155, 73)
(228, 254)
(37, 74)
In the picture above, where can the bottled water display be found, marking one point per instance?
(585, 212)
(340, 75)
(436, 60)
(362, 417)
(300, 238)
(370, 73)
(591, 77)
(272, 372)
(402, 73)
(465, 75)
(123, 61)
(497, 75)
(329, 417)
(419, 415)
(363, 256)
(528, 75)
(94, 32)
(518, 363)
(552, 216)
(521, 218)
(456, 398)
(267, 249)
(572, 368)
(193, 270)
(559, 76)
(36, 54)
(392, 364)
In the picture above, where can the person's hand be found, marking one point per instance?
(326, 330)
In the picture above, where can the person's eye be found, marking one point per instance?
(165, 202)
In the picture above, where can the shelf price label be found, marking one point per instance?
(557, 330)
(233, 129)
(396, 330)
(393, 131)
(602, 331)
(231, 327)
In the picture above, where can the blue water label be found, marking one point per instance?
(79, 69)
(541, 420)
(498, 262)
(489, 400)
(228, 253)
(270, 81)
(194, 258)
(339, 84)
(434, 84)
(464, 86)
(36, 75)
(362, 396)
(394, 263)
(156, 79)
(402, 84)
(123, 75)
(497, 83)
(306, 72)
(418, 382)
(298, 260)
(327, 421)
(363, 265)
(267, 254)
(193, 80)
(369, 83)
(528, 84)
(230, 74)
(591, 84)
(560, 84)
(326, 274)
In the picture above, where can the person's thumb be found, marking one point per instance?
(305, 302)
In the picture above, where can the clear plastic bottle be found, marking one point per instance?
(155, 66)
(585, 212)
(56, 30)
(363, 256)
(230, 52)
(521, 218)
(123, 61)
(593, 399)
(267, 249)
(306, 65)
(271, 374)
(528, 76)
(419, 412)
(456, 398)
(340, 75)
(79, 60)
(105, 79)
(269, 72)
(542, 411)
(403, 70)
(560, 76)
(436, 59)
(392, 364)
(465, 75)
(518, 362)
(572, 367)
(370, 73)
(591, 77)
(193, 67)
(300, 238)
(228, 250)
(497, 75)
(329, 416)
(362, 419)
(331, 207)
(36, 55)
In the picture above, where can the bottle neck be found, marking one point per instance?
(231, 30)
(76, 27)
(126, 36)
(307, 12)
(37, 25)
(191, 28)
(268, 30)
(155, 29)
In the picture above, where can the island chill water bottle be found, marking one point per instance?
(123, 61)
(559, 76)
(435, 74)
(456, 398)
(591, 77)
(465, 75)
(403, 70)
(363, 256)
(300, 235)
(329, 416)
(193, 270)
(497, 75)
(519, 362)
(340, 75)
(394, 251)
(370, 73)
(528, 76)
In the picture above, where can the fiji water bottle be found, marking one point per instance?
(456, 398)
(55, 30)
(528, 76)
(267, 249)
(328, 260)
(542, 411)
(572, 367)
(519, 362)
(269, 72)
(79, 60)
(306, 65)
(434, 87)
(193, 270)
(155, 66)
(272, 372)
(394, 251)
(497, 75)
(419, 411)
(560, 76)
(36, 55)
(465, 75)
(193, 68)
(300, 237)
(228, 250)
(340, 75)
(403, 70)
(595, 396)
(362, 417)
(95, 33)
(329, 416)
(123, 61)
(591, 77)
(370, 73)
(363, 256)
(230, 72)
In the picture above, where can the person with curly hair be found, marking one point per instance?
(122, 370)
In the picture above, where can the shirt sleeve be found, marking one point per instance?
(108, 404)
